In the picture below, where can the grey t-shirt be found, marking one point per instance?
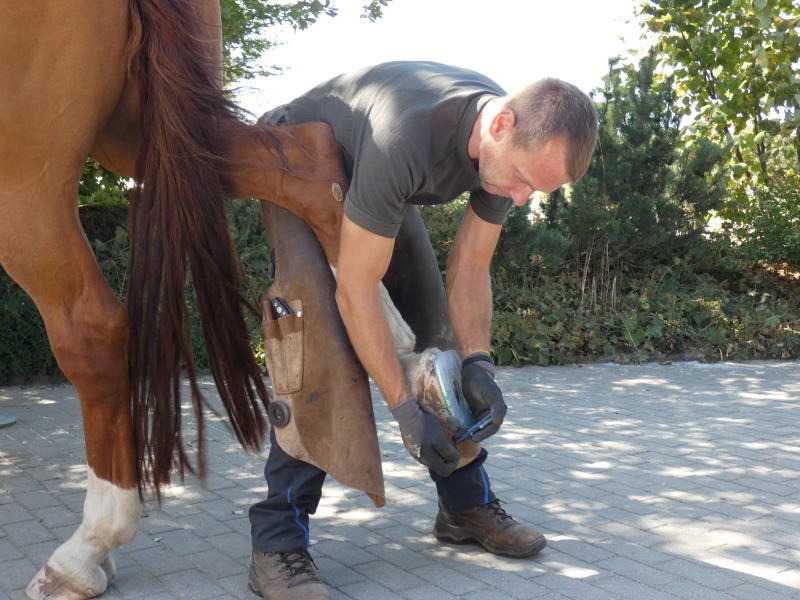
(403, 128)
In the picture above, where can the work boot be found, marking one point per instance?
(491, 527)
(286, 576)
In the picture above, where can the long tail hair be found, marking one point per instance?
(179, 227)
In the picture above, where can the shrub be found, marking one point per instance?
(644, 199)
(767, 226)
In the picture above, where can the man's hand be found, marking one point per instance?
(424, 438)
(482, 394)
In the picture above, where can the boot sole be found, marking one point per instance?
(255, 590)
(458, 535)
(254, 587)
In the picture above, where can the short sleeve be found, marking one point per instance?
(490, 207)
(381, 183)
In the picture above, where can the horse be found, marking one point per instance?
(136, 84)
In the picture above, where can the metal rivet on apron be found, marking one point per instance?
(336, 190)
(279, 413)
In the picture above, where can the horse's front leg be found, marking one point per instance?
(43, 248)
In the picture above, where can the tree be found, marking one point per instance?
(244, 27)
(245, 24)
(644, 199)
(734, 64)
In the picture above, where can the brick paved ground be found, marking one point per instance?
(651, 482)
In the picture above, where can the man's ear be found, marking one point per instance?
(503, 123)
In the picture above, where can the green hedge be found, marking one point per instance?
(670, 312)
(24, 351)
(708, 304)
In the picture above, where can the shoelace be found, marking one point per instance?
(499, 512)
(297, 562)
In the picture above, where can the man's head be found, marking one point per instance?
(537, 140)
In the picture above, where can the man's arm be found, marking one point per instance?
(469, 293)
(469, 297)
(363, 260)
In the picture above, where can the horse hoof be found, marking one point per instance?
(52, 585)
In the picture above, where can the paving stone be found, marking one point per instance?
(636, 571)
(12, 514)
(235, 545)
(583, 550)
(160, 561)
(27, 532)
(398, 555)
(183, 541)
(512, 584)
(432, 592)
(389, 575)
(37, 499)
(749, 591)
(8, 551)
(217, 566)
(576, 589)
(686, 589)
(191, 584)
(135, 580)
(345, 552)
(652, 482)
(709, 576)
(199, 524)
(16, 574)
(448, 578)
(39, 553)
(369, 590)
(622, 587)
(335, 574)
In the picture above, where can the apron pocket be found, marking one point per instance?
(283, 346)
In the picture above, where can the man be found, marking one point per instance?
(423, 133)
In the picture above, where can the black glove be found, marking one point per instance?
(482, 394)
(424, 438)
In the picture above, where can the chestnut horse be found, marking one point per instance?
(136, 85)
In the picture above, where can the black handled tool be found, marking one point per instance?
(280, 307)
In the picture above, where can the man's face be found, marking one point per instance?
(516, 172)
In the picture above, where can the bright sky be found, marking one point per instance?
(514, 42)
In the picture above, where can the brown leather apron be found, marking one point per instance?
(313, 368)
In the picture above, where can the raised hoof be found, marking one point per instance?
(48, 584)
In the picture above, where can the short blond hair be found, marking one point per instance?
(551, 108)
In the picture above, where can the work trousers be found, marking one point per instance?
(280, 522)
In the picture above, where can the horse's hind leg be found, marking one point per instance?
(42, 247)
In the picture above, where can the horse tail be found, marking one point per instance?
(178, 224)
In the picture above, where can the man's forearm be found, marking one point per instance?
(372, 339)
(469, 300)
